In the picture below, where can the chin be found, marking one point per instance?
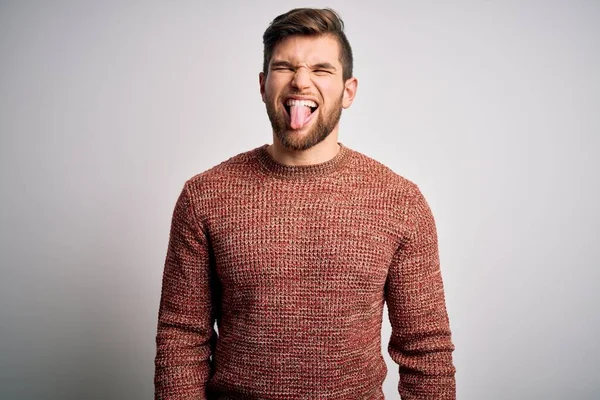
(299, 140)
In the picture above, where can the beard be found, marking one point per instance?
(322, 126)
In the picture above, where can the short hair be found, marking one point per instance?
(308, 22)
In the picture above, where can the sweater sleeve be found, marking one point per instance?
(421, 341)
(185, 334)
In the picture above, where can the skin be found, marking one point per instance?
(306, 67)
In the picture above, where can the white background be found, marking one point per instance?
(106, 108)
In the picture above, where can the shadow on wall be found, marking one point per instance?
(79, 333)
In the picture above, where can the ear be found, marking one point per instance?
(261, 81)
(350, 87)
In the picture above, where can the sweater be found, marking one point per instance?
(294, 264)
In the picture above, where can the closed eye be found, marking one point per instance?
(324, 68)
(281, 66)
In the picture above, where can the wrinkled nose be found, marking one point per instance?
(301, 79)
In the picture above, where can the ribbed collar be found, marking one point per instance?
(271, 166)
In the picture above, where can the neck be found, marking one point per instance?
(319, 153)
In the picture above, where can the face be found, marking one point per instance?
(304, 91)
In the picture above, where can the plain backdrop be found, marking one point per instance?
(107, 108)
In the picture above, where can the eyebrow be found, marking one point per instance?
(324, 65)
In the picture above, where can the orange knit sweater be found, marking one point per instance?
(294, 263)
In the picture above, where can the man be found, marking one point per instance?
(293, 248)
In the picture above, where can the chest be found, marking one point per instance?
(265, 238)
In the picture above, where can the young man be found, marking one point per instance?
(293, 248)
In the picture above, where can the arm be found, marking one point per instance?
(185, 333)
(421, 343)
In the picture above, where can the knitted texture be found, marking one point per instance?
(294, 263)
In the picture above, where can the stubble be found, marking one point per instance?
(292, 139)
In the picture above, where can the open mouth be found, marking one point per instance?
(299, 112)
(311, 105)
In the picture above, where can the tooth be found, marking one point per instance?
(306, 103)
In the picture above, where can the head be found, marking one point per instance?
(307, 76)
(308, 22)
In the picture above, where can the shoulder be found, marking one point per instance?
(231, 167)
(373, 172)
(226, 174)
(214, 187)
(394, 192)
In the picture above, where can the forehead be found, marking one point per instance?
(308, 49)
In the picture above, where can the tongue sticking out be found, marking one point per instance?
(298, 116)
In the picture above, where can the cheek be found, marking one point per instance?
(328, 87)
(269, 90)
(332, 95)
(275, 82)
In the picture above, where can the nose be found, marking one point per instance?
(301, 79)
